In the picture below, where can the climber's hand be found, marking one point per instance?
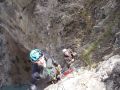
(59, 67)
(36, 76)
(32, 87)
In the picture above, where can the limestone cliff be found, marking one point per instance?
(90, 27)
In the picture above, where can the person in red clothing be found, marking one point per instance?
(69, 56)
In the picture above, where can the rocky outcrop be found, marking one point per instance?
(106, 77)
(85, 80)
(109, 72)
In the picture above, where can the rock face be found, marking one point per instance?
(14, 67)
(4, 60)
(84, 81)
(90, 27)
(105, 78)
(109, 72)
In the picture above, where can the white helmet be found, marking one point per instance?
(64, 50)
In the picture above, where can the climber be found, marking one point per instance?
(44, 68)
(69, 56)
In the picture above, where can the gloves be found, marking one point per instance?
(59, 69)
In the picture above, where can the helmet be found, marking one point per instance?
(64, 50)
(35, 54)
